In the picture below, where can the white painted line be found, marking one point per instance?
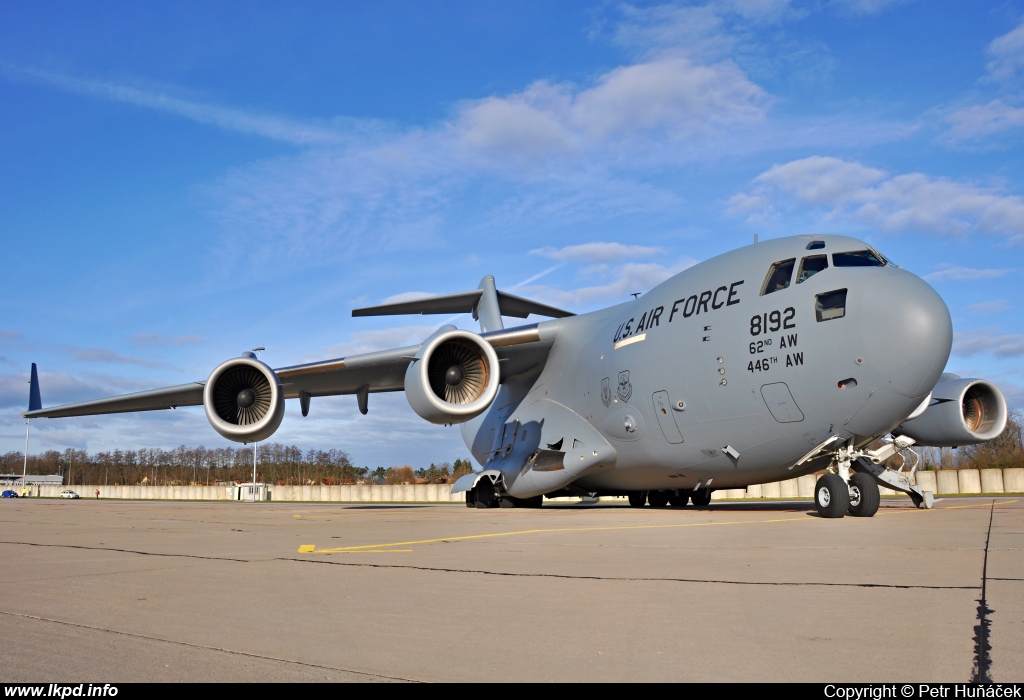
(630, 341)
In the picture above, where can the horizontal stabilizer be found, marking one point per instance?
(464, 302)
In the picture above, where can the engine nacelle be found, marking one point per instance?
(962, 412)
(454, 377)
(243, 400)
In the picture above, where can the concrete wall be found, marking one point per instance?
(942, 482)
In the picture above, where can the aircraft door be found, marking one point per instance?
(663, 410)
(781, 403)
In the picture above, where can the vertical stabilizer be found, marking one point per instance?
(487, 310)
(35, 403)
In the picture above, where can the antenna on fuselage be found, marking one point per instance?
(755, 238)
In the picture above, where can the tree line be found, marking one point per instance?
(287, 465)
(284, 465)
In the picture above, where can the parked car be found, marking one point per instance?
(69, 494)
(10, 494)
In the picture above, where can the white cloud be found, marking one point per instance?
(983, 120)
(948, 272)
(987, 340)
(9, 335)
(1007, 55)
(986, 308)
(708, 30)
(913, 202)
(599, 252)
(620, 282)
(111, 357)
(268, 126)
(383, 339)
(866, 7)
(154, 339)
(666, 98)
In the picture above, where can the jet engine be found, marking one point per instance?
(962, 412)
(454, 377)
(243, 400)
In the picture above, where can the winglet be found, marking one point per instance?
(35, 403)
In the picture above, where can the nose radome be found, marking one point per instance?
(907, 332)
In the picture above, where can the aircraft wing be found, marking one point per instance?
(169, 397)
(518, 349)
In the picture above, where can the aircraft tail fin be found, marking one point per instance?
(35, 403)
(486, 303)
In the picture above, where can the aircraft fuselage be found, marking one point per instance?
(728, 373)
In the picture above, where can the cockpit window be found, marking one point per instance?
(779, 276)
(815, 245)
(811, 265)
(830, 305)
(858, 258)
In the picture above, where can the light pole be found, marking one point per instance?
(255, 445)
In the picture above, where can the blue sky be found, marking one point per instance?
(180, 182)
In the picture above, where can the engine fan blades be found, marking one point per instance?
(446, 364)
(242, 396)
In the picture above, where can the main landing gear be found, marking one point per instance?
(488, 493)
(675, 497)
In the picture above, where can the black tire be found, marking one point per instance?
(483, 494)
(679, 499)
(864, 495)
(637, 499)
(701, 497)
(831, 496)
(657, 499)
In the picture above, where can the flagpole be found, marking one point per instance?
(24, 466)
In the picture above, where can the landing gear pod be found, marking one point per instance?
(454, 378)
(962, 412)
(243, 400)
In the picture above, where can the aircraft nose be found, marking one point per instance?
(907, 332)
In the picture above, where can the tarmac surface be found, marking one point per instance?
(118, 591)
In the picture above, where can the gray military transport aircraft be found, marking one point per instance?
(775, 360)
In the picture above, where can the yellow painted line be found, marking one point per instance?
(381, 548)
(980, 505)
(388, 545)
(322, 517)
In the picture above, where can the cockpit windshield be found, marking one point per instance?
(858, 258)
(779, 275)
(810, 265)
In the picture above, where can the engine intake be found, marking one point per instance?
(962, 412)
(454, 377)
(243, 400)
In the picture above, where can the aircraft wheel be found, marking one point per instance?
(679, 498)
(701, 497)
(483, 494)
(831, 496)
(657, 499)
(864, 496)
(637, 499)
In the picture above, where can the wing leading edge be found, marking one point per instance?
(518, 349)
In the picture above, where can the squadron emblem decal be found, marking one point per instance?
(606, 391)
(625, 388)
